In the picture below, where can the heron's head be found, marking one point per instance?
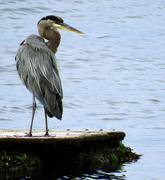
(55, 22)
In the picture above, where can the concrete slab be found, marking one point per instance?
(58, 134)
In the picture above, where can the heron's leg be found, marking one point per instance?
(46, 134)
(34, 108)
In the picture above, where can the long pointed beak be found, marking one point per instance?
(67, 27)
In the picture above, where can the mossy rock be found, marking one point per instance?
(18, 161)
(20, 152)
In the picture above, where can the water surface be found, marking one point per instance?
(113, 76)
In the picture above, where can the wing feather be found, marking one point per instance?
(37, 69)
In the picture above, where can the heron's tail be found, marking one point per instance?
(57, 110)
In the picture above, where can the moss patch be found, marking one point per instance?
(112, 155)
(123, 154)
(20, 161)
(17, 161)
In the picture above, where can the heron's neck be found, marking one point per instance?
(52, 35)
(53, 44)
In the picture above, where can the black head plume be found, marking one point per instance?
(57, 19)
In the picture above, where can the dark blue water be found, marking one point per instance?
(69, 171)
(113, 76)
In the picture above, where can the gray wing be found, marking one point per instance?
(37, 69)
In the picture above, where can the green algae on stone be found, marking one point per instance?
(18, 160)
(19, 152)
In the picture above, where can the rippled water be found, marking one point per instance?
(113, 76)
(70, 171)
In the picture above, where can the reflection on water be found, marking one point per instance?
(112, 77)
(69, 171)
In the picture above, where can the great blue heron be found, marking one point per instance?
(36, 66)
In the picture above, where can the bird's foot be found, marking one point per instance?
(28, 135)
(47, 134)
